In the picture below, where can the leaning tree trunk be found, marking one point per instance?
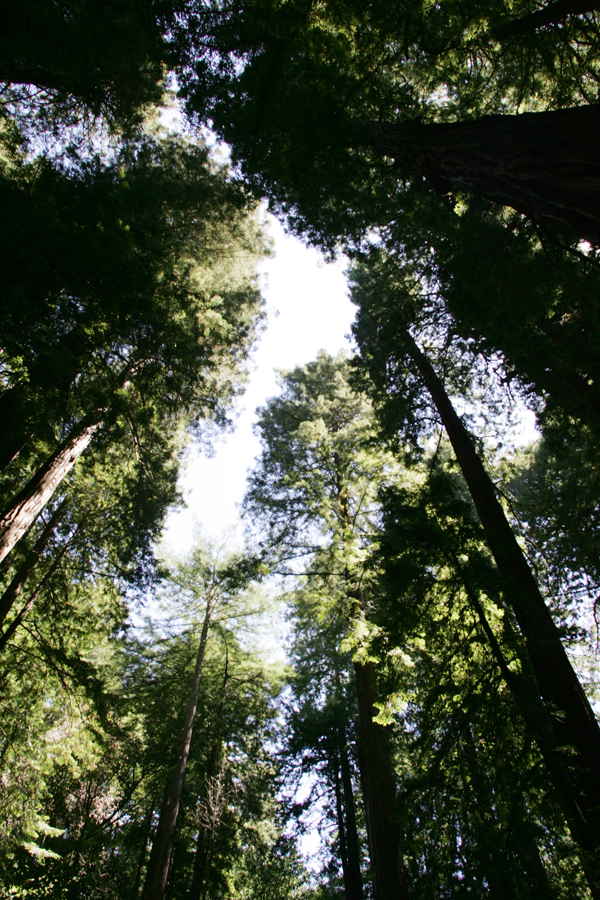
(546, 165)
(551, 14)
(13, 591)
(575, 728)
(162, 846)
(537, 716)
(379, 791)
(12, 627)
(31, 500)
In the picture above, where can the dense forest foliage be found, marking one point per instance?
(435, 721)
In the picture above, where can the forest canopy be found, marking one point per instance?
(435, 719)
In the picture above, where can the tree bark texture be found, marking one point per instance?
(575, 729)
(546, 165)
(379, 791)
(162, 846)
(31, 500)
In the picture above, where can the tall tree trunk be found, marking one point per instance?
(545, 165)
(341, 824)
(206, 834)
(142, 856)
(379, 791)
(551, 14)
(32, 499)
(15, 587)
(353, 879)
(162, 846)
(576, 733)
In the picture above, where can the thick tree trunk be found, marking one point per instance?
(576, 757)
(15, 587)
(379, 790)
(162, 846)
(546, 165)
(552, 14)
(30, 501)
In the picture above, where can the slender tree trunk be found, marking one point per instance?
(353, 882)
(22, 408)
(379, 791)
(574, 726)
(339, 812)
(551, 14)
(142, 857)
(14, 589)
(162, 846)
(32, 499)
(15, 429)
(545, 165)
(205, 834)
(6, 635)
(200, 860)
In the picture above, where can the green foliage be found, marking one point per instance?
(292, 86)
(476, 802)
(81, 59)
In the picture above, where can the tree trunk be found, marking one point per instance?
(339, 812)
(205, 833)
(162, 846)
(22, 406)
(353, 878)
(379, 790)
(545, 165)
(552, 14)
(14, 589)
(15, 428)
(6, 635)
(575, 729)
(142, 856)
(30, 501)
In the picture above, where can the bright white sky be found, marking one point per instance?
(308, 310)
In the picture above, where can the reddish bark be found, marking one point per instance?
(31, 500)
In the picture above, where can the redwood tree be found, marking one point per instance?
(571, 747)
